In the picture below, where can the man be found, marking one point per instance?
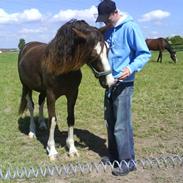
(128, 53)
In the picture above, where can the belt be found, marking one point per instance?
(115, 86)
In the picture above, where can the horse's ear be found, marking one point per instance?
(105, 28)
(79, 33)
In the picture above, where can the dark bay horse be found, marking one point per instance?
(160, 44)
(53, 70)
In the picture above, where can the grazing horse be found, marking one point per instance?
(160, 44)
(53, 70)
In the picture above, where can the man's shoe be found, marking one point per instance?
(124, 169)
(120, 171)
(106, 161)
(132, 166)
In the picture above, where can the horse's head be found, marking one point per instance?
(100, 65)
(173, 56)
(97, 58)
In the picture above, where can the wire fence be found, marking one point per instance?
(86, 168)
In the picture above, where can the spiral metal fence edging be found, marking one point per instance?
(86, 168)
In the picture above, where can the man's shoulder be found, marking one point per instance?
(131, 25)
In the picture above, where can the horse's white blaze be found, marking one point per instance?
(175, 58)
(70, 142)
(105, 62)
(32, 127)
(51, 142)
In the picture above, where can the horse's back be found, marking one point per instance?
(30, 65)
(31, 48)
(158, 44)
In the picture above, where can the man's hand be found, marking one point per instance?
(125, 74)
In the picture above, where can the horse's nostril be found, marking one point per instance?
(103, 83)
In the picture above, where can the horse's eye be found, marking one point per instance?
(94, 54)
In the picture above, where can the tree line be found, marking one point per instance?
(175, 40)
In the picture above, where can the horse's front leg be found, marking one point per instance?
(52, 153)
(71, 100)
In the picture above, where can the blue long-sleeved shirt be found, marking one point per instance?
(127, 48)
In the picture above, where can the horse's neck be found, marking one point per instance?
(168, 47)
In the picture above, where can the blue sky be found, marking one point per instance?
(38, 20)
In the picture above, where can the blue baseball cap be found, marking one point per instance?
(105, 8)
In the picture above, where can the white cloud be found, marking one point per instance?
(32, 31)
(155, 15)
(31, 15)
(86, 14)
(27, 15)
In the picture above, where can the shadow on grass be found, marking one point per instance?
(86, 138)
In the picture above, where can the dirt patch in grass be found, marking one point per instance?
(166, 175)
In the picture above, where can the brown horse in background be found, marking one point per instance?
(160, 44)
(53, 70)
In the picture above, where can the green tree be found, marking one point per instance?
(176, 39)
(21, 43)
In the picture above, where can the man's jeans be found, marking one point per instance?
(117, 114)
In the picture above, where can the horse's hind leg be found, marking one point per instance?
(159, 57)
(71, 100)
(30, 105)
(41, 120)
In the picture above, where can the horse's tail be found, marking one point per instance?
(19, 56)
(20, 53)
(23, 101)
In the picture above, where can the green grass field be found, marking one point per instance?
(157, 115)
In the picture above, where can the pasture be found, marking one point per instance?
(157, 118)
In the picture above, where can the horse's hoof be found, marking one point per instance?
(77, 154)
(32, 135)
(73, 154)
(53, 157)
(52, 154)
